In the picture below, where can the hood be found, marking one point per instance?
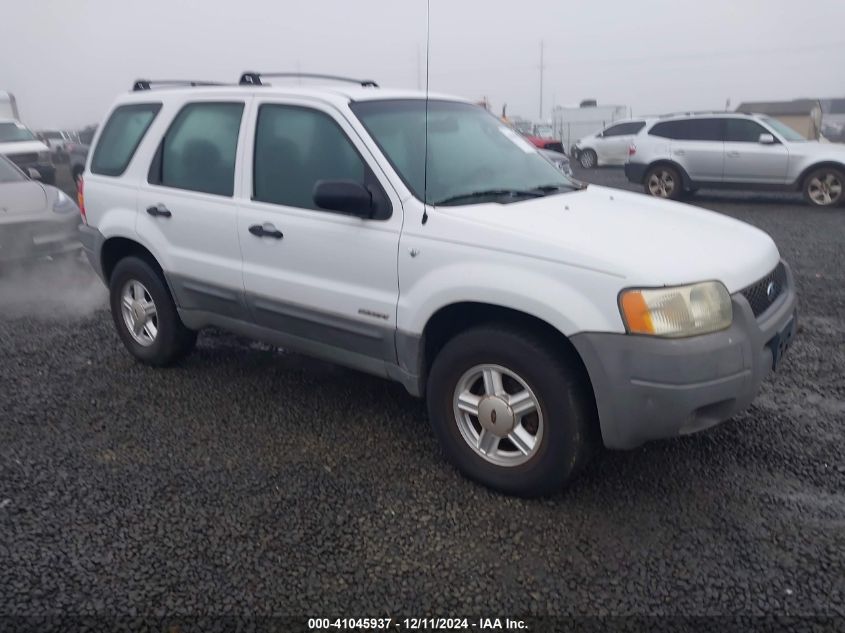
(23, 147)
(817, 149)
(644, 240)
(17, 198)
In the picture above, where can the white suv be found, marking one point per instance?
(609, 146)
(537, 315)
(678, 154)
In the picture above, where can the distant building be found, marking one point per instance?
(802, 115)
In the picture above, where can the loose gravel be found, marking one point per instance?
(252, 481)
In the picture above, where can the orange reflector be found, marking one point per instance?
(637, 316)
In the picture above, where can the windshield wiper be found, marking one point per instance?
(490, 193)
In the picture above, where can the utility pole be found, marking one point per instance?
(541, 79)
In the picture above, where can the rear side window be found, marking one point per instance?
(743, 131)
(294, 148)
(689, 130)
(624, 129)
(121, 136)
(198, 151)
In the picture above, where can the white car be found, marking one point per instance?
(609, 146)
(20, 145)
(538, 316)
(676, 155)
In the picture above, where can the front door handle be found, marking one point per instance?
(733, 154)
(266, 230)
(159, 210)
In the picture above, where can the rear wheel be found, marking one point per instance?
(587, 158)
(510, 413)
(145, 315)
(664, 181)
(824, 187)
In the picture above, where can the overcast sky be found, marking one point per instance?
(66, 59)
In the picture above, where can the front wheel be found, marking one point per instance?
(588, 158)
(664, 181)
(509, 412)
(145, 315)
(823, 187)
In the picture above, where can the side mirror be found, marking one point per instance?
(767, 139)
(34, 174)
(344, 196)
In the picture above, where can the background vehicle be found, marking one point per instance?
(575, 122)
(522, 305)
(36, 220)
(609, 146)
(58, 141)
(679, 154)
(546, 143)
(22, 147)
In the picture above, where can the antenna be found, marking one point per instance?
(427, 64)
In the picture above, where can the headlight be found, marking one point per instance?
(677, 311)
(63, 203)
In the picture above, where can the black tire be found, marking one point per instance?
(819, 181)
(173, 340)
(570, 427)
(669, 184)
(588, 158)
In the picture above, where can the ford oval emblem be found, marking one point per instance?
(770, 290)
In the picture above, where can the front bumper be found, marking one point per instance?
(649, 388)
(635, 172)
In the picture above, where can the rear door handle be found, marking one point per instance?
(159, 210)
(733, 154)
(266, 230)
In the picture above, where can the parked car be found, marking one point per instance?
(677, 155)
(561, 161)
(546, 143)
(58, 142)
(538, 316)
(22, 147)
(36, 220)
(609, 146)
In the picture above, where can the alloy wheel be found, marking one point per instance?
(139, 312)
(498, 415)
(661, 183)
(825, 189)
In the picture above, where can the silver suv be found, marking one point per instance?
(678, 154)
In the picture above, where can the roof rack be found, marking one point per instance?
(147, 84)
(254, 79)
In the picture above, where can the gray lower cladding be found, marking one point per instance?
(92, 245)
(649, 388)
(371, 348)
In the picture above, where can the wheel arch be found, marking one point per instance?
(116, 248)
(799, 182)
(450, 320)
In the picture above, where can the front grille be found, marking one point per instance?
(762, 294)
(22, 160)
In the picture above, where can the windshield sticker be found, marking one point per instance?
(517, 140)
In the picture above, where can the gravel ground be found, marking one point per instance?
(253, 481)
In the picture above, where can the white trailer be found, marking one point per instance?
(572, 123)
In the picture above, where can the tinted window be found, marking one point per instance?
(743, 131)
(198, 151)
(294, 148)
(121, 136)
(689, 130)
(623, 129)
(13, 131)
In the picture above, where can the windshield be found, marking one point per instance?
(783, 129)
(13, 131)
(472, 156)
(8, 172)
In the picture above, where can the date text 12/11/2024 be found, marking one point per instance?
(417, 624)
